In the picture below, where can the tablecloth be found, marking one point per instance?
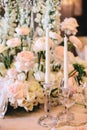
(22, 120)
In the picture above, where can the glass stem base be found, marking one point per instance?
(48, 120)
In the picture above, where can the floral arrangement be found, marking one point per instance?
(22, 53)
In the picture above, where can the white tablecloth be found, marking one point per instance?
(22, 120)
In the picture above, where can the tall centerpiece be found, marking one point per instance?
(47, 120)
(31, 53)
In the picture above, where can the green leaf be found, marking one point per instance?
(80, 69)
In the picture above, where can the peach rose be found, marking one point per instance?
(18, 89)
(69, 26)
(24, 61)
(40, 44)
(25, 56)
(14, 42)
(59, 52)
(76, 42)
(22, 30)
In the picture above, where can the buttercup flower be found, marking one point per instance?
(22, 30)
(76, 42)
(14, 42)
(69, 26)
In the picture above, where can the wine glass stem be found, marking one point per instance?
(47, 103)
(66, 110)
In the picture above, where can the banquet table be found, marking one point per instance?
(22, 120)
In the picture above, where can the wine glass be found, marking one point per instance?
(85, 94)
(47, 120)
(3, 103)
(66, 100)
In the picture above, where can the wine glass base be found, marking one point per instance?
(65, 118)
(48, 121)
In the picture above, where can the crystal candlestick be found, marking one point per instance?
(47, 120)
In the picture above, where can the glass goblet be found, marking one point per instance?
(66, 100)
(47, 120)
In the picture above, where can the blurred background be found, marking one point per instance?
(77, 9)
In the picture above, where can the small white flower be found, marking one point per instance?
(35, 67)
(40, 31)
(39, 76)
(21, 76)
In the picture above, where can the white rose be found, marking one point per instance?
(69, 25)
(39, 76)
(40, 44)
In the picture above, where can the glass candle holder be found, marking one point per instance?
(47, 120)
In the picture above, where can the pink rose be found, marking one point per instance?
(25, 56)
(40, 44)
(18, 89)
(59, 52)
(69, 26)
(14, 42)
(12, 73)
(76, 42)
(24, 61)
(22, 30)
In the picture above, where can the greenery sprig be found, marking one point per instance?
(81, 72)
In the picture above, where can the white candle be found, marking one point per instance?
(65, 64)
(47, 73)
(32, 21)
